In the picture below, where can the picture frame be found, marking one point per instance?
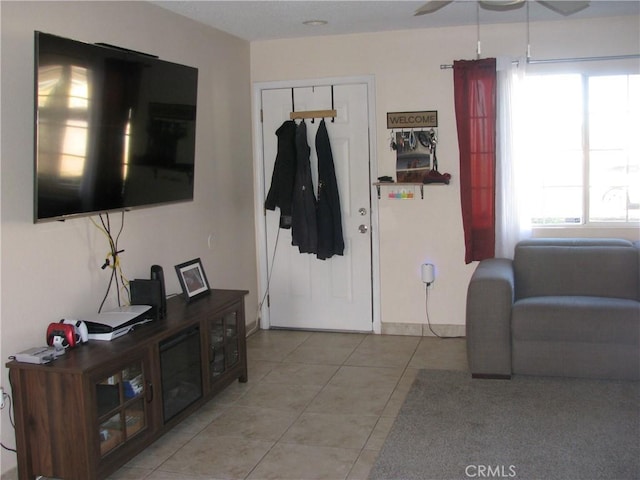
(193, 279)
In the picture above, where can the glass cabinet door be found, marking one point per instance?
(224, 349)
(233, 349)
(121, 406)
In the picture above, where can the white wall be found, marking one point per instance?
(406, 66)
(50, 271)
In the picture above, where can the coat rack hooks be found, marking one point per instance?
(312, 114)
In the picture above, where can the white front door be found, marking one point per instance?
(305, 292)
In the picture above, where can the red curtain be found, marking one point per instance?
(475, 103)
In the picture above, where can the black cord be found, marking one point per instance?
(122, 280)
(266, 292)
(106, 294)
(113, 246)
(8, 448)
(426, 308)
(106, 226)
(13, 423)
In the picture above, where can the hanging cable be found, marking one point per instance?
(112, 259)
(426, 308)
(266, 292)
(123, 280)
(11, 414)
(10, 401)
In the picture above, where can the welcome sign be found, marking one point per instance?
(412, 119)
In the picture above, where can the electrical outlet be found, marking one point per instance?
(1, 398)
(428, 273)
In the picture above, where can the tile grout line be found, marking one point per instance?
(404, 371)
(344, 363)
(281, 362)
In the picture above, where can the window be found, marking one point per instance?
(580, 133)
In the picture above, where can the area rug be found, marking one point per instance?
(454, 427)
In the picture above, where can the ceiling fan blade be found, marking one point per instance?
(565, 8)
(432, 6)
(501, 5)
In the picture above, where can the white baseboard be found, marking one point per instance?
(252, 327)
(422, 330)
(10, 474)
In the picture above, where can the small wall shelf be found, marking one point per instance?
(400, 186)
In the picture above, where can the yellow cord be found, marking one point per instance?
(115, 263)
(104, 232)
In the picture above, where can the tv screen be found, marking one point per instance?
(115, 129)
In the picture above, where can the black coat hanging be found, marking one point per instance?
(304, 233)
(329, 216)
(284, 170)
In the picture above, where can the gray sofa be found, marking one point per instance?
(561, 307)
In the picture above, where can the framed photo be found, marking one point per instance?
(192, 279)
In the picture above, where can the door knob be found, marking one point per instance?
(363, 228)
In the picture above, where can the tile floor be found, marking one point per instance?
(316, 406)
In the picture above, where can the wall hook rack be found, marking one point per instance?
(312, 114)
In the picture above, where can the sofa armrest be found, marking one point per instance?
(488, 320)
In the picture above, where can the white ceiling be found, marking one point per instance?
(269, 19)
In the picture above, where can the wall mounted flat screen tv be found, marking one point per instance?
(114, 129)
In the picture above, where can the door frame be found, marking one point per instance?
(260, 188)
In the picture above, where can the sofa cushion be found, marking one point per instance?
(576, 267)
(574, 359)
(576, 319)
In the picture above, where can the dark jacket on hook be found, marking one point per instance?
(329, 217)
(284, 170)
(304, 233)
